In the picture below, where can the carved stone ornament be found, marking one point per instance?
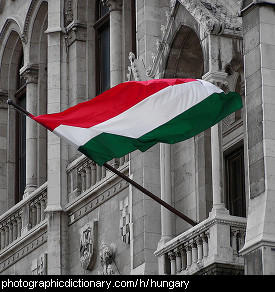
(107, 258)
(87, 245)
(39, 265)
(30, 73)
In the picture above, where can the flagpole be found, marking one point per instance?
(125, 177)
(151, 195)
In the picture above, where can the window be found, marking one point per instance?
(20, 150)
(102, 27)
(133, 19)
(234, 163)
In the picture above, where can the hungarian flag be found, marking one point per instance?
(138, 114)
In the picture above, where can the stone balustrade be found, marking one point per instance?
(216, 240)
(84, 173)
(22, 217)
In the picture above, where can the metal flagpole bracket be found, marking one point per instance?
(123, 176)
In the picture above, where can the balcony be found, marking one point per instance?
(211, 247)
(22, 217)
(84, 174)
(23, 227)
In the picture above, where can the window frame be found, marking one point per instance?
(101, 23)
(20, 156)
(237, 154)
(20, 125)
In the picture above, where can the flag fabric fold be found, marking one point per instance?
(138, 114)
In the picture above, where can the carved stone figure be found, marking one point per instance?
(87, 245)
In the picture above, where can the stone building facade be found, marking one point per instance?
(61, 214)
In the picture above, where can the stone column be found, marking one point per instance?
(217, 168)
(57, 241)
(30, 73)
(115, 7)
(259, 68)
(166, 192)
(216, 153)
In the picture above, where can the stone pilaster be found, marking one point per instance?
(30, 73)
(57, 240)
(259, 70)
(115, 7)
(166, 192)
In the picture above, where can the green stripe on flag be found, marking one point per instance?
(195, 120)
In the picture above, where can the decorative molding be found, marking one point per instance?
(68, 12)
(5, 27)
(11, 257)
(125, 220)
(88, 235)
(76, 31)
(30, 73)
(39, 265)
(218, 79)
(97, 200)
(215, 16)
(162, 46)
(203, 16)
(27, 21)
(136, 70)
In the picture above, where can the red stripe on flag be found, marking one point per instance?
(108, 104)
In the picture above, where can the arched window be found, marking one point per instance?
(102, 27)
(20, 150)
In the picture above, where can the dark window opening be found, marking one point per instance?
(20, 142)
(102, 28)
(235, 195)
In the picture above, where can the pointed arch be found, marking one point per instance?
(185, 59)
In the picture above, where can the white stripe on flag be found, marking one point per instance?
(145, 116)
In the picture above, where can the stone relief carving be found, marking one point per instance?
(125, 220)
(215, 17)
(107, 257)
(235, 81)
(39, 265)
(68, 12)
(87, 252)
(136, 70)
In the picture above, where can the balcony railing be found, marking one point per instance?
(84, 174)
(22, 217)
(216, 240)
